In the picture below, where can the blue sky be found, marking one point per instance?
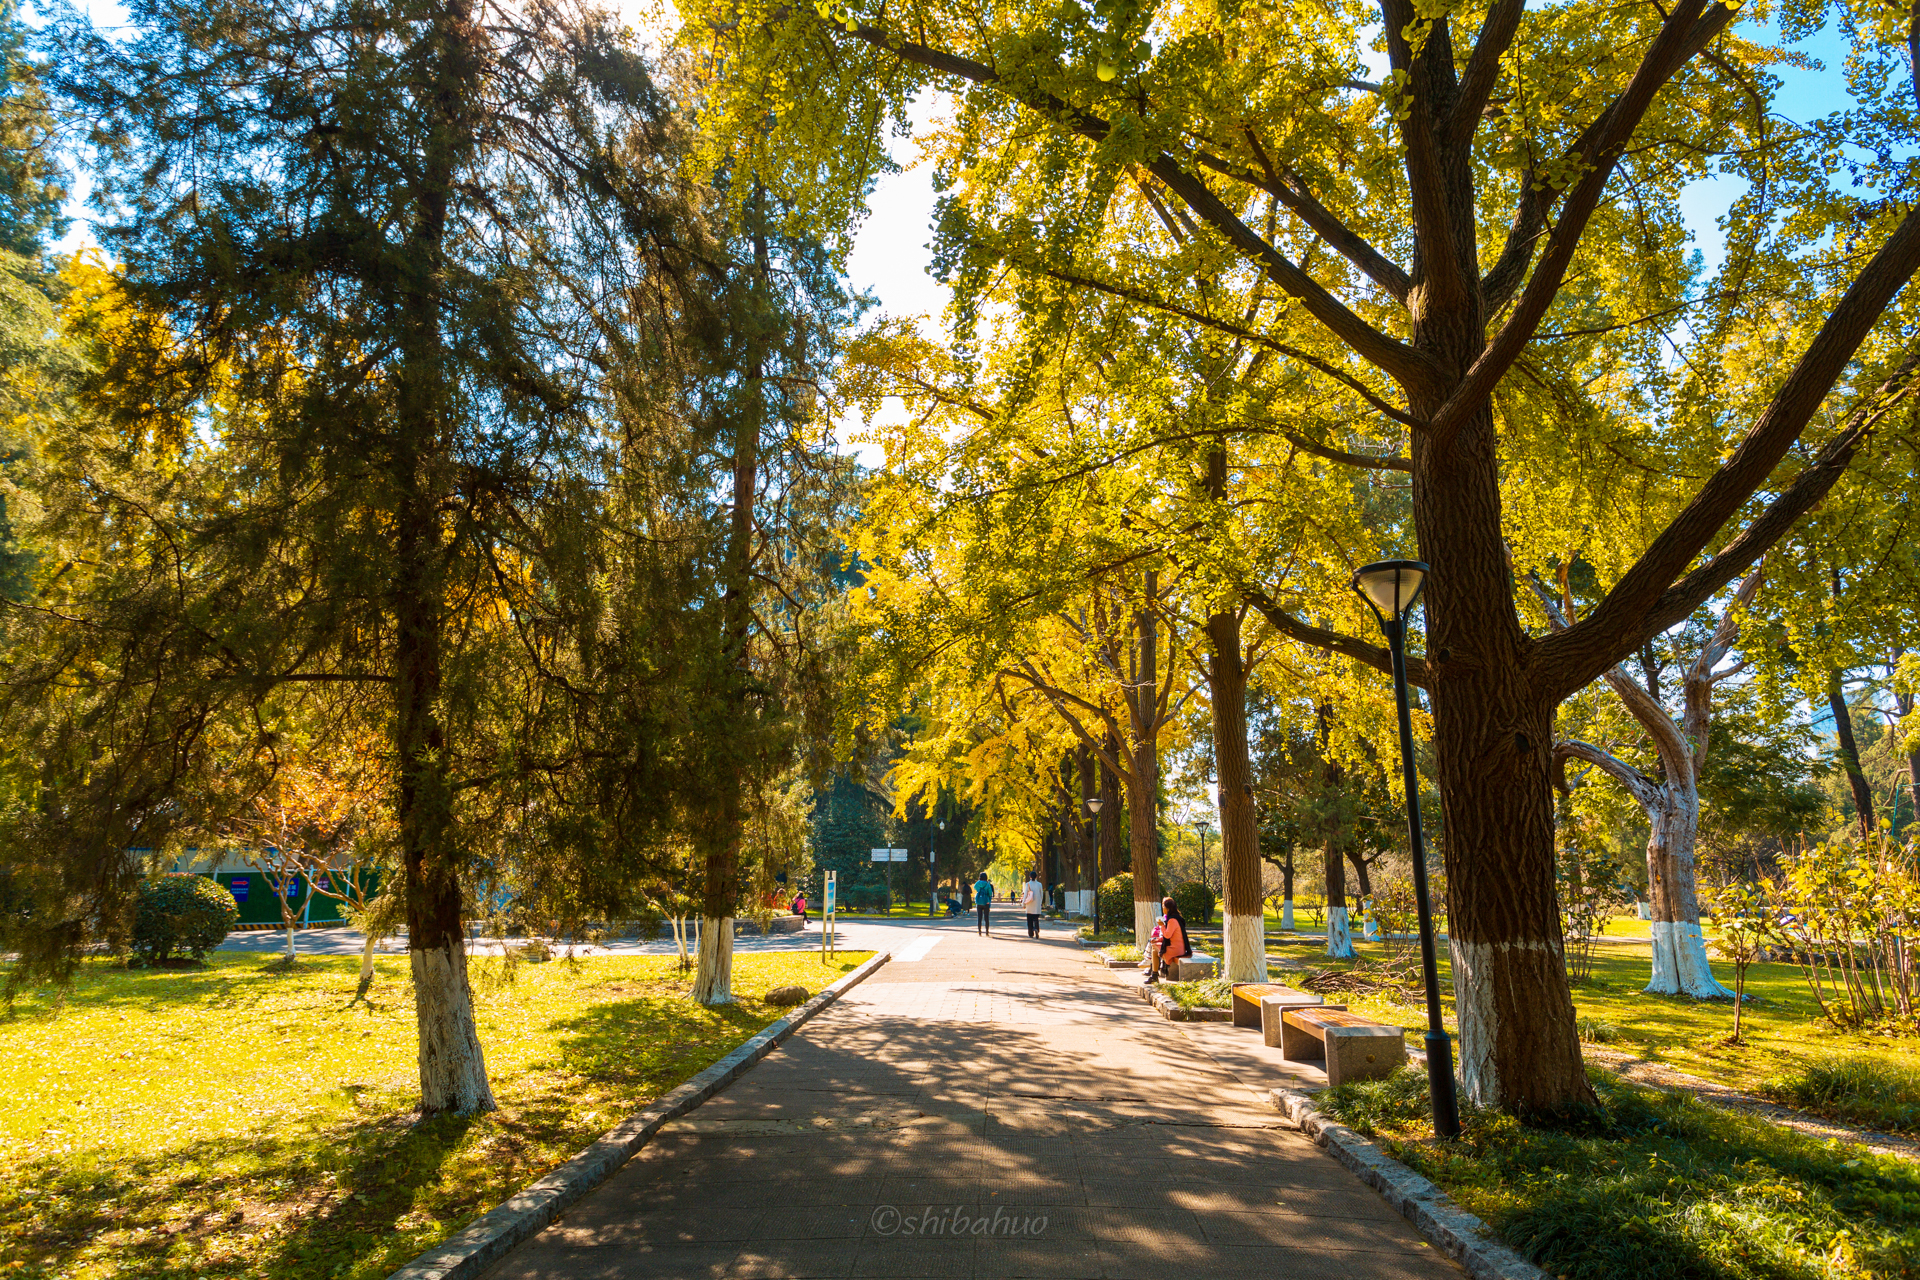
(890, 255)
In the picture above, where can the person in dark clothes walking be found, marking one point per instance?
(983, 905)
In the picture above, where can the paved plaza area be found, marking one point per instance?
(987, 1107)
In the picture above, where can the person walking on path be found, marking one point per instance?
(983, 905)
(1031, 895)
(1173, 939)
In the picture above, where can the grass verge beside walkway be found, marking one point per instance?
(1656, 1186)
(237, 1121)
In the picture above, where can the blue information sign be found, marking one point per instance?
(238, 887)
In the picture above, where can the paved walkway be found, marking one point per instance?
(992, 1108)
(853, 934)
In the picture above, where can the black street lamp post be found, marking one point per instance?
(1093, 807)
(1390, 587)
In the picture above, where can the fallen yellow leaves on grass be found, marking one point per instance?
(236, 1121)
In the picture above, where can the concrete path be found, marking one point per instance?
(852, 934)
(992, 1108)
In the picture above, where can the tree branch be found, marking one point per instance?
(1642, 604)
(1332, 641)
(1286, 186)
(1643, 789)
(1483, 70)
(1145, 299)
(1429, 90)
(1396, 359)
(1684, 31)
(1638, 700)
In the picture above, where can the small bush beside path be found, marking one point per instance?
(237, 1121)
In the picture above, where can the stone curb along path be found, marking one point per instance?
(487, 1238)
(1462, 1235)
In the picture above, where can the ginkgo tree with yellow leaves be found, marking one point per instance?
(1478, 248)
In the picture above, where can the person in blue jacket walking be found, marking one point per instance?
(983, 905)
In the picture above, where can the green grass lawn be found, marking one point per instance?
(1656, 1186)
(906, 910)
(1782, 1028)
(238, 1122)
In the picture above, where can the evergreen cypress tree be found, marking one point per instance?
(380, 245)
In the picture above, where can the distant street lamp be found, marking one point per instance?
(1093, 807)
(1390, 587)
(933, 879)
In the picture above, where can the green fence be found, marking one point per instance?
(258, 893)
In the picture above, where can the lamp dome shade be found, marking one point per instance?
(1093, 806)
(1390, 585)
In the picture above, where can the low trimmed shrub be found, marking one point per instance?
(181, 913)
(1195, 901)
(1877, 1092)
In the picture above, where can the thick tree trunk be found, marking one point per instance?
(1339, 933)
(1493, 743)
(1286, 893)
(1361, 872)
(453, 1073)
(1143, 774)
(1111, 861)
(713, 979)
(1243, 924)
(1848, 753)
(1143, 840)
(366, 967)
(1680, 965)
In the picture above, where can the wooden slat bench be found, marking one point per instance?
(1353, 1047)
(1260, 1004)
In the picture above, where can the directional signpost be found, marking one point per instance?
(826, 919)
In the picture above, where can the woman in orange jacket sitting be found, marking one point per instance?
(1174, 945)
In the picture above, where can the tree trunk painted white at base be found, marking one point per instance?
(366, 962)
(1286, 916)
(1246, 939)
(1479, 1019)
(1680, 965)
(713, 981)
(1339, 936)
(1671, 797)
(1144, 914)
(680, 942)
(1370, 931)
(453, 1072)
(289, 944)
